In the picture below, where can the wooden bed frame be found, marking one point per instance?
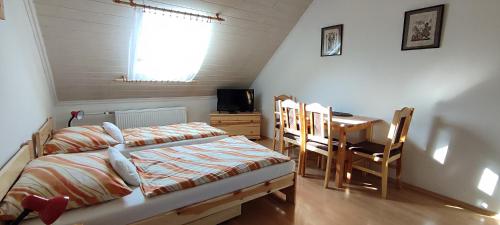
(208, 212)
(42, 136)
(14, 167)
(225, 207)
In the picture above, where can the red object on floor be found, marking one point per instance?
(48, 209)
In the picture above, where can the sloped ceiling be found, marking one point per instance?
(87, 45)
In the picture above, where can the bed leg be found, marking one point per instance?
(290, 191)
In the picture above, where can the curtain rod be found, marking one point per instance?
(124, 79)
(144, 6)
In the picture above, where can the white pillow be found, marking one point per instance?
(114, 132)
(123, 167)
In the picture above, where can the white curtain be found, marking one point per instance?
(167, 48)
(133, 44)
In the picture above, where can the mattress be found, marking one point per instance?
(135, 206)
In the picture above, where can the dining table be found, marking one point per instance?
(344, 125)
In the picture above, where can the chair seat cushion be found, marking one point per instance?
(372, 149)
(322, 146)
(292, 136)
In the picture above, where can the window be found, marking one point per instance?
(167, 48)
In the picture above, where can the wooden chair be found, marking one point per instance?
(277, 115)
(291, 130)
(384, 154)
(319, 137)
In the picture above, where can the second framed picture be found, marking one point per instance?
(331, 40)
(422, 28)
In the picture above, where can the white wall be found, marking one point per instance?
(25, 97)
(455, 89)
(198, 108)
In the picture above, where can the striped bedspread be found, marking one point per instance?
(79, 139)
(166, 170)
(86, 178)
(163, 134)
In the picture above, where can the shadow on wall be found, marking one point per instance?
(465, 147)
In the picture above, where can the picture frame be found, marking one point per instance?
(2, 10)
(332, 40)
(422, 28)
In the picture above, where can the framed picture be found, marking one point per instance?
(2, 12)
(331, 40)
(422, 28)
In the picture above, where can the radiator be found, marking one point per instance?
(150, 117)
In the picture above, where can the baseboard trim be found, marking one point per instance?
(449, 200)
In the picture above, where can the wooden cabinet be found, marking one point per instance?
(247, 124)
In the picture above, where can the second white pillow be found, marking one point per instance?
(123, 167)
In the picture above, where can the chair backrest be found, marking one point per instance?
(292, 114)
(320, 123)
(399, 130)
(276, 106)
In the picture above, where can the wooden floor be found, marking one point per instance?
(359, 204)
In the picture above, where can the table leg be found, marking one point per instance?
(369, 137)
(339, 169)
(369, 132)
(302, 160)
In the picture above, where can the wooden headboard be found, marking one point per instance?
(43, 135)
(13, 168)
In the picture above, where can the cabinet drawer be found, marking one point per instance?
(241, 130)
(247, 124)
(222, 119)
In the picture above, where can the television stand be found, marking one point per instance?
(239, 123)
(228, 112)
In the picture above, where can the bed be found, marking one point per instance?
(210, 203)
(142, 138)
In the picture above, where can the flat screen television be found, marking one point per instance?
(235, 100)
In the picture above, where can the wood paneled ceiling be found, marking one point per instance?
(87, 45)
